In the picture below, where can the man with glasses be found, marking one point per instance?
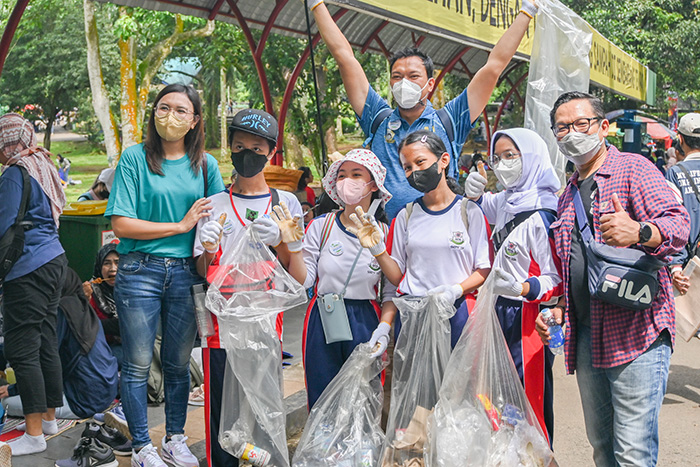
(621, 357)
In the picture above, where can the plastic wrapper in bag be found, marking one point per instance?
(559, 63)
(421, 354)
(246, 293)
(483, 416)
(343, 428)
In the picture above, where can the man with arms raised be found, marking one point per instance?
(411, 83)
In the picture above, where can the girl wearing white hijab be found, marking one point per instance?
(526, 268)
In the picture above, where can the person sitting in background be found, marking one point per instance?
(100, 291)
(101, 188)
(304, 192)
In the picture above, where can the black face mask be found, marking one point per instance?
(248, 163)
(425, 180)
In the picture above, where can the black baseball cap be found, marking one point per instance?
(257, 122)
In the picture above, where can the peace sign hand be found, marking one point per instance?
(367, 231)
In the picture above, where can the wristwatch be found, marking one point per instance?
(644, 232)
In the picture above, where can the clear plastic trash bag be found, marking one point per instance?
(262, 286)
(559, 63)
(421, 354)
(483, 416)
(247, 291)
(343, 428)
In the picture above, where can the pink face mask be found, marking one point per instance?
(351, 191)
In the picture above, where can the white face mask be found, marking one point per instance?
(580, 148)
(508, 172)
(407, 93)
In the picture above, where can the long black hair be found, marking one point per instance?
(435, 145)
(194, 139)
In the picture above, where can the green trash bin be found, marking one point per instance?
(82, 236)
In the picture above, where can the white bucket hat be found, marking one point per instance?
(368, 160)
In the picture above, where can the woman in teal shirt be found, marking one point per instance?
(157, 198)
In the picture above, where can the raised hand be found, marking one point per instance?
(367, 231)
(291, 228)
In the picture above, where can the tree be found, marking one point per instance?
(42, 68)
(662, 34)
(145, 39)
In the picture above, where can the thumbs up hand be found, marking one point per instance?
(618, 228)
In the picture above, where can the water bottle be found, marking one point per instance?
(232, 442)
(556, 334)
(205, 325)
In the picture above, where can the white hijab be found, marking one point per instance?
(538, 183)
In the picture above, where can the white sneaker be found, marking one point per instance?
(176, 452)
(147, 457)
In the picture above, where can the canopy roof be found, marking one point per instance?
(379, 29)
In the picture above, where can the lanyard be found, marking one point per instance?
(235, 211)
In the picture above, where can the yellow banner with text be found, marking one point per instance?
(615, 69)
(482, 21)
(485, 21)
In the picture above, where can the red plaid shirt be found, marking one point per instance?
(619, 335)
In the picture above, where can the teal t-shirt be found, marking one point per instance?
(140, 194)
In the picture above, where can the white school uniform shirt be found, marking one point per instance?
(331, 264)
(248, 207)
(527, 252)
(435, 248)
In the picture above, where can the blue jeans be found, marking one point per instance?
(148, 289)
(621, 405)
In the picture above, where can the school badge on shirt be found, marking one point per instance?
(511, 249)
(457, 238)
(251, 215)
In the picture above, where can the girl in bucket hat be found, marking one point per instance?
(329, 252)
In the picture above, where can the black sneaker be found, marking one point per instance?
(90, 452)
(109, 436)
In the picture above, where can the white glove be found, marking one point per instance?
(504, 284)
(311, 4)
(528, 7)
(474, 186)
(367, 231)
(210, 236)
(380, 339)
(450, 292)
(267, 230)
(291, 228)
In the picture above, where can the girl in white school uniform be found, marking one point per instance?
(526, 267)
(438, 244)
(329, 252)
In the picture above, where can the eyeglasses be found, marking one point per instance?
(182, 113)
(580, 125)
(495, 159)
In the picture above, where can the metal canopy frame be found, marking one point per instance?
(367, 31)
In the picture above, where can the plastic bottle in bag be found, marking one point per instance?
(556, 342)
(255, 456)
(205, 324)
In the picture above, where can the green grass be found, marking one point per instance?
(86, 164)
(87, 161)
